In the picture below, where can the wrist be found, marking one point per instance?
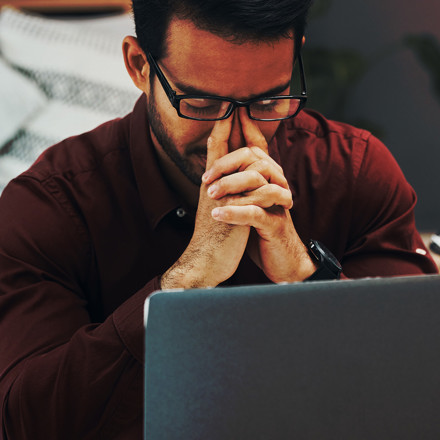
(306, 267)
(186, 276)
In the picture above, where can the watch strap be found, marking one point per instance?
(329, 267)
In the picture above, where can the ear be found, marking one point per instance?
(136, 63)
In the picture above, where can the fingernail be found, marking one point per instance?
(212, 190)
(205, 177)
(215, 213)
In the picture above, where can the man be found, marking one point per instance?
(224, 187)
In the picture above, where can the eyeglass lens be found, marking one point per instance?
(269, 108)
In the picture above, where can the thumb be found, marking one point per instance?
(217, 144)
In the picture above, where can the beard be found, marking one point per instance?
(182, 162)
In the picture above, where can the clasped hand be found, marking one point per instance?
(243, 206)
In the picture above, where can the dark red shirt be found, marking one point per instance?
(87, 231)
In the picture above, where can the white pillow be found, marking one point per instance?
(20, 99)
(78, 66)
(10, 167)
(88, 49)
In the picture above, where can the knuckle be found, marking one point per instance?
(272, 189)
(260, 166)
(257, 177)
(278, 167)
(256, 151)
(248, 154)
(220, 186)
(257, 213)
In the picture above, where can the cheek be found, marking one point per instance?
(185, 134)
(182, 132)
(190, 132)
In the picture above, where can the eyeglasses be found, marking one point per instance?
(214, 108)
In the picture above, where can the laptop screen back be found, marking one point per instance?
(324, 360)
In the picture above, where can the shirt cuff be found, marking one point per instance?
(128, 319)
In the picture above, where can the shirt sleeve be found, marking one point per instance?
(383, 238)
(61, 375)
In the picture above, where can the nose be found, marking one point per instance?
(236, 139)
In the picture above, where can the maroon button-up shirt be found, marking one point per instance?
(88, 230)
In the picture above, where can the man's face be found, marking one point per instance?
(199, 62)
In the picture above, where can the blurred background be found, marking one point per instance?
(372, 64)
(376, 64)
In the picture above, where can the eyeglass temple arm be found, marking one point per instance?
(168, 90)
(302, 75)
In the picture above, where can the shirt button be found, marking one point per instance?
(180, 212)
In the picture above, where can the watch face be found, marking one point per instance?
(314, 251)
(328, 254)
(324, 256)
(329, 267)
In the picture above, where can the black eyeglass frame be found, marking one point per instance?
(175, 99)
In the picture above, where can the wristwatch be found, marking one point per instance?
(329, 267)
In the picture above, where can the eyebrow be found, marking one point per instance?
(190, 90)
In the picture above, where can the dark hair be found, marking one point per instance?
(236, 20)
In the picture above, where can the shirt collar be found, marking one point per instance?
(157, 197)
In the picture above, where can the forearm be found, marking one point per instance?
(71, 392)
(83, 388)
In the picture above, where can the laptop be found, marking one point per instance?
(355, 360)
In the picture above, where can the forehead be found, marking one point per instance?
(222, 67)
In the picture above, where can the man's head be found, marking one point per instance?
(239, 49)
(230, 19)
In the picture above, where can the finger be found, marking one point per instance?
(262, 155)
(251, 132)
(260, 219)
(236, 184)
(217, 144)
(266, 196)
(239, 215)
(237, 160)
(270, 171)
(246, 159)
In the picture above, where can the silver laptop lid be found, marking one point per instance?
(325, 360)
